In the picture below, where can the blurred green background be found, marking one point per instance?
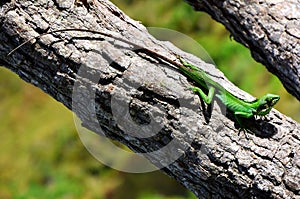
(47, 160)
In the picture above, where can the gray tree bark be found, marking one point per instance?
(270, 29)
(109, 84)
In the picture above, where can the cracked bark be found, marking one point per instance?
(270, 29)
(214, 162)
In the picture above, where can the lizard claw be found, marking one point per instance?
(245, 131)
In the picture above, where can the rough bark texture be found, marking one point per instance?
(215, 161)
(269, 28)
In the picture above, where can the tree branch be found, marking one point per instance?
(109, 83)
(270, 29)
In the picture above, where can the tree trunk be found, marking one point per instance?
(270, 29)
(118, 90)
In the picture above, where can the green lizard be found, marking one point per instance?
(240, 107)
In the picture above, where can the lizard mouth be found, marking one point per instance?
(265, 110)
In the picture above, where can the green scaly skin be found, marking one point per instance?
(240, 108)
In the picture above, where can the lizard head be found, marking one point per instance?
(266, 103)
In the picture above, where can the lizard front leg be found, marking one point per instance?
(207, 98)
